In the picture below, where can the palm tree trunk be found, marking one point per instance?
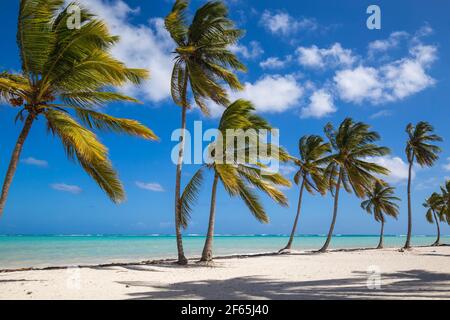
(14, 160)
(380, 244)
(436, 243)
(294, 227)
(181, 257)
(336, 202)
(207, 249)
(408, 236)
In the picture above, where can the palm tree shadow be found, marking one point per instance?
(413, 284)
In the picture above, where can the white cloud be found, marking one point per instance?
(150, 186)
(390, 82)
(145, 46)
(447, 166)
(284, 24)
(397, 167)
(381, 113)
(66, 188)
(334, 56)
(35, 162)
(270, 93)
(321, 104)
(275, 62)
(379, 46)
(287, 169)
(253, 51)
(355, 85)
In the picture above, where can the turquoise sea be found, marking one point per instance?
(61, 250)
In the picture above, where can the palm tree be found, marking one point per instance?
(353, 143)
(419, 148)
(311, 173)
(435, 213)
(381, 201)
(238, 177)
(202, 62)
(68, 71)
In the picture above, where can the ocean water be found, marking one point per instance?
(42, 251)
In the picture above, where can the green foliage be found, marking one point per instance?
(353, 144)
(380, 201)
(241, 178)
(69, 72)
(311, 163)
(203, 59)
(420, 145)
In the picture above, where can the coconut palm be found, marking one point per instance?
(435, 213)
(237, 168)
(381, 201)
(310, 174)
(420, 149)
(353, 144)
(202, 63)
(68, 72)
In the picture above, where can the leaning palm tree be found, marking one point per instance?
(238, 168)
(435, 213)
(68, 72)
(381, 201)
(353, 143)
(202, 63)
(310, 175)
(420, 149)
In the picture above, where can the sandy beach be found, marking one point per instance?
(423, 273)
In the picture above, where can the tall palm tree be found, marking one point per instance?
(435, 213)
(238, 177)
(352, 143)
(310, 174)
(420, 149)
(381, 201)
(64, 72)
(203, 63)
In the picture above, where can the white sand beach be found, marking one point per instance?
(422, 273)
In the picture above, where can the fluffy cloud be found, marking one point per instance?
(358, 84)
(145, 46)
(284, 24)
(390, 82)
(275, 62)
(253, 51)
(66, 188)
(321, 104)
(334, 56)
(150, 186)
(393, 41)
(270, 93)
(397, 167)
(447, 166)
(35, 162)
(380, 114)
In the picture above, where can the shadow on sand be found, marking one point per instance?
(413, 284)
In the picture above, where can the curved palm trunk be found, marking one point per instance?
(14, 160)
(181, 258)
(294, 227)
(437, 242)
(381, 243)
(207, 249)
(408, 236)
(333, 222)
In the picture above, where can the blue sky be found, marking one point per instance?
(310, 62)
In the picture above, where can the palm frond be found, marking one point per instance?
(190, 197)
